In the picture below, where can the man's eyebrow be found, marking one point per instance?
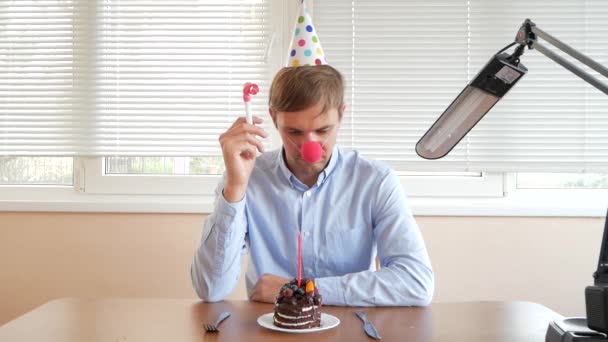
(292, 129)
(316, 129)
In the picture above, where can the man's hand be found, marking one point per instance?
(239, 146)
(267, 288)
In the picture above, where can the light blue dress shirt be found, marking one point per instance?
(356, 211)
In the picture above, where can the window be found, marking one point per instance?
(406, 61)
(169, 78)
(149, 85)
(164, 165)
(562, 180)
(36, 171)
(37, 95)
(126, 78)
(118, 97)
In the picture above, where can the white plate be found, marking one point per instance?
(327, 322)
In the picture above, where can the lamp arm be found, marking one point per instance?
(528, 34)
(572, 68)
(570, 51)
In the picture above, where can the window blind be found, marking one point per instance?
(128, 77)
(405, 61)
(38, 58)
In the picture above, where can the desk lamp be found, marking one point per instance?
(497, 77)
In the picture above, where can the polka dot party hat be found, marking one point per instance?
(305, 46)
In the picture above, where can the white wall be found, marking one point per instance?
(543, 260)
(51, 255)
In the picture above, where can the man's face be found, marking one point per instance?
(309, 124)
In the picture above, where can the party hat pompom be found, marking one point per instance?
(305, 45)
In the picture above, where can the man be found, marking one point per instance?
(349, 210)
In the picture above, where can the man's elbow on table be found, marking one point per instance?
(417, 283)
(204, 289)
(426, 299)
(211, 298)
(419, 297)
(427, 291)
(420, 289)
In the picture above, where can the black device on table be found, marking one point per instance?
(595, 326)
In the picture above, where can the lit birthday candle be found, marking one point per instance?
(299, 259)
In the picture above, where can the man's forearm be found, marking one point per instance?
(217, 263)
(408, 283)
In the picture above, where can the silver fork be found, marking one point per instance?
(220, 319)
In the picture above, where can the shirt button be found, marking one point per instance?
(307, 193)
(309, 270)
(306, 233)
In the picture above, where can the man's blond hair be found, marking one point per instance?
(298, 88)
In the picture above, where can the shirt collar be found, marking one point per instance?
(323, 176)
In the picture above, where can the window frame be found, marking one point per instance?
(97, 182)
(513, 202)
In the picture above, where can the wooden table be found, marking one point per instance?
(122, 320)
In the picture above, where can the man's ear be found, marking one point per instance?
(341, 112)
(273, 116)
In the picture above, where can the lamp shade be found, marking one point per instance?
(473, 102)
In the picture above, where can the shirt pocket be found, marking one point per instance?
(347, 250)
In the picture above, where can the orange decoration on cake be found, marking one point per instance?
(310, 286)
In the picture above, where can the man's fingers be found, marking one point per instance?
(253, 295)
(242, 122)
(237, 122)
(255, 130)
(255, 142)
(238, 144)
(247, 144)
(263, 291)
(257, 120)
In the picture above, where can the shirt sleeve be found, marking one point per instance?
(405, 277)
(216, 267)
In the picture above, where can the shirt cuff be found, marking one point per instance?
(226, 214)
(331, 290)
(230, 209)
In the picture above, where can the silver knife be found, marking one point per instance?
(369, 328)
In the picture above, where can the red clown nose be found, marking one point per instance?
(311, 151)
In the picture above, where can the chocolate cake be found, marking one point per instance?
(298, 307)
